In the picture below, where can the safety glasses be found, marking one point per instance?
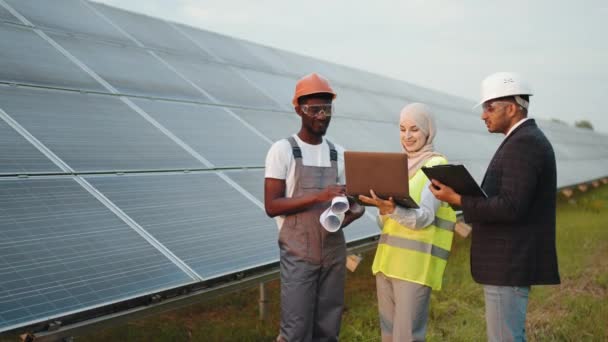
(490, 107)
(315, 110)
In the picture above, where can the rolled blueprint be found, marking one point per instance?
(339, 205)
(332, 217)
(331, 221)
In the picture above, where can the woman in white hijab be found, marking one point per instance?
(415, 243)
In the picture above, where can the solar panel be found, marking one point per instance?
(449, 119)
(358, 135)
(21, 63)
(577, 152)
(389, 106)
(269, 55)
(18, 156)
(203, 220)
(567, 134)
(250, 180)
(463, 145)
(279, 87)
(151, 32)
(7, 16)
(273, 125)
(93, 132)
(572, 172)
(128, 69)
(222, 82)
(359, 104)
(216, 135)
(72, 16)
(302, 65)
(226, 48)
(61, 251)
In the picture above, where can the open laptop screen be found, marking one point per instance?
(384, 172)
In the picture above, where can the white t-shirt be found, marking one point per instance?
(280, 163)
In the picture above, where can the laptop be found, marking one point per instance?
(384, 172)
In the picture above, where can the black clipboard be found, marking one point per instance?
(457, 177)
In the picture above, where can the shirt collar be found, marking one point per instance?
(515, 126)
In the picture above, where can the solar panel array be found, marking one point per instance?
(132, 148)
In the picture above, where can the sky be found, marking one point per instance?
(559, 46)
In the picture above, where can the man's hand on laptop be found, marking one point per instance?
(384, 206)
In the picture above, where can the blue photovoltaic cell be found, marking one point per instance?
(465, 121)
(269, 55)
(130, 70)
(390, 106)
(227, 49)
(61, 250)
(7, 16)
(456, 145)
(93, 132)
(199, 217)
(18, 156)
(221, 81)
(151, 32)
(22, 62)
(280, 88)
(358, 135)
(580, 171)
(302, 65)
(215, 134)
(353, 103)
(273, 125)
(74, 16)
(250, 180)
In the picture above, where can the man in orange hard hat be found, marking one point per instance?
(301, 178)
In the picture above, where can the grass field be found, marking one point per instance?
(576, 310)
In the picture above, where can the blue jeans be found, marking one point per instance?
(506, 312)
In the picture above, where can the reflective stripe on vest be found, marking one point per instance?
(417, 255)
(443, 224)
(418, 246)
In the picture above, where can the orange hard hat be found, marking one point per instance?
(311, 84)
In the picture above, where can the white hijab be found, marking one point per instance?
(421, 115)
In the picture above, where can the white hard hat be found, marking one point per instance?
(503, 84)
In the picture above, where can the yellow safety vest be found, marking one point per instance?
(419, 256)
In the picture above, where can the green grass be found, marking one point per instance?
(576, 310)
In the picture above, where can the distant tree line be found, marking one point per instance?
(586, 124)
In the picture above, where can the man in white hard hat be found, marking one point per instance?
(513, 244)
(301, 178)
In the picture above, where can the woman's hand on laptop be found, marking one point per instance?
(385, 206)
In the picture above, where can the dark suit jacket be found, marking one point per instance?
(513, 242)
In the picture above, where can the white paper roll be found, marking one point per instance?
(331, 221)
(339, 204)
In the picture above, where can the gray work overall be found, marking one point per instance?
(312, 261)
